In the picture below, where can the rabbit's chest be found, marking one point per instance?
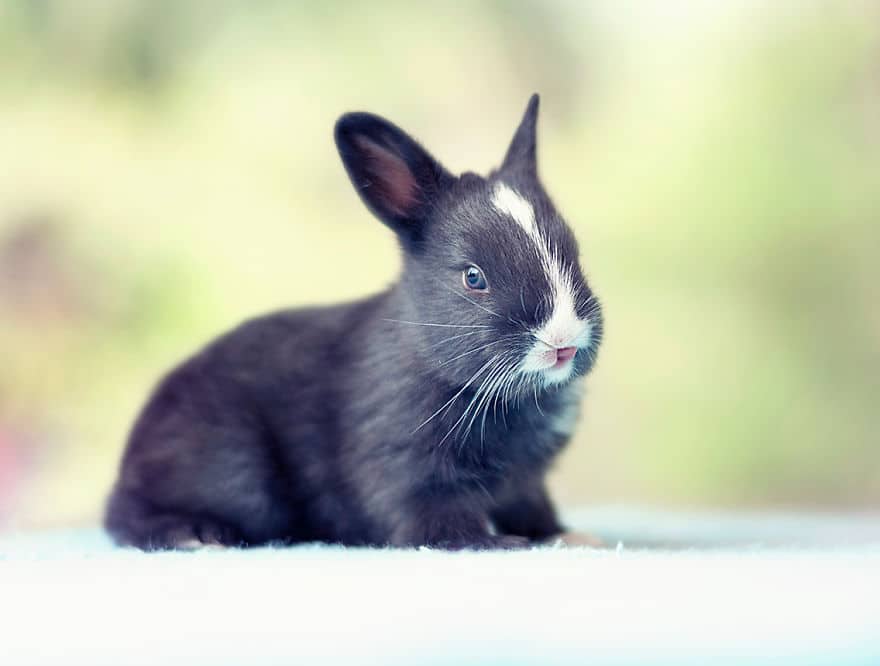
(530, 434)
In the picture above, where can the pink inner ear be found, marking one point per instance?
(392, 176)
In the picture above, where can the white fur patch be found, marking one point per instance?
(564, 422)
(510, 202)
(564, 328)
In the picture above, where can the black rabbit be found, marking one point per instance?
(424, 415)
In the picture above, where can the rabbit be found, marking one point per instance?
(425, 415)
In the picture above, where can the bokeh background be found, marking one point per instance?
(167, 169)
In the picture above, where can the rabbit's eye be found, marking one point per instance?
(474, 279)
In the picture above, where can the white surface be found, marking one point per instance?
(778, 589)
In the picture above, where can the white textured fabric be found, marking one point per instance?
(681, 589)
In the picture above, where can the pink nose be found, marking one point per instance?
(565, 354)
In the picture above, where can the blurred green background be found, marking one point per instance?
(167, 169)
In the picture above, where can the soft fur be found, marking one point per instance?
(404, 418)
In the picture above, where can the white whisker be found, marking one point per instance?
(454, 337)
(541, 411)
(478, 396)
(476, 349)
(490, 386)
(421, 323)
(469, 300)
(497, 391)
(460, 418)
(452, 399)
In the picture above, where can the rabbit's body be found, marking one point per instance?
(422, 415)
(246, 446)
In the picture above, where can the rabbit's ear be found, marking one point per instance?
(521, 155)
(395, 177)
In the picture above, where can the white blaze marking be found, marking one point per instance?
(509, 201)
(564, 328)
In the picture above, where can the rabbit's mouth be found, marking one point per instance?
(564, 356)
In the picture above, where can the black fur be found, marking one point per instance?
(315, 424)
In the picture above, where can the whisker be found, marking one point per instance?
(497, 390)
(454, 337)
(540, 411)
(421, 323)
(485, 384)
(464, 413)
(486, 395)
(452, 399)
(502, 369)
(488, 378)
(507, 389)
(500, 394)
(471, 351)
(471, 301)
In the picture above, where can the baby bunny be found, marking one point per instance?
(427, 414)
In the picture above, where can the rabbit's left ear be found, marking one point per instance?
(521, 155)
(396, 178)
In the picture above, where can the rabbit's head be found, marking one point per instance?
(492, 281)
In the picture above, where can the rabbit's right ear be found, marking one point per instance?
(521, 155)
(395, 177)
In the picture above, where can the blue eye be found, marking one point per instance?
(474, 279)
